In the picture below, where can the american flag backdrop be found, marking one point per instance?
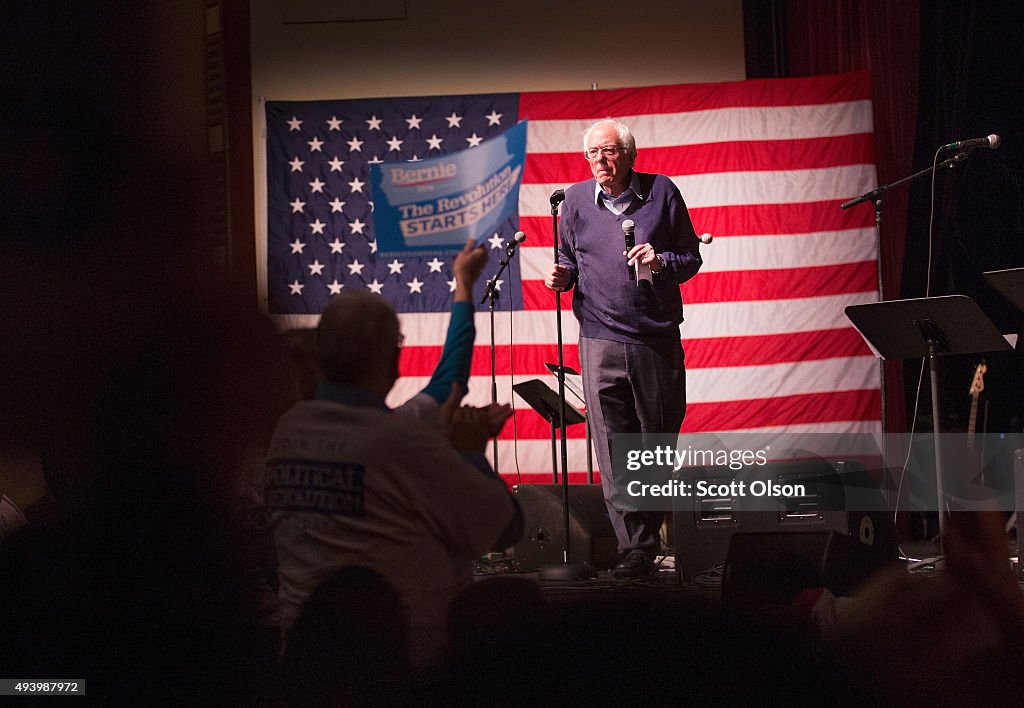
(763, 166)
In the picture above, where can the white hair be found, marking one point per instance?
(626, 138)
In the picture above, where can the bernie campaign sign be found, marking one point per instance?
(439, 203)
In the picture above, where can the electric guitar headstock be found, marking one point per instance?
(978, 382)
(977, 386)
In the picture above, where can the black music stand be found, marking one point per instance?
(575, 387)
(545, 401)
(928, 327)
(1010, 284)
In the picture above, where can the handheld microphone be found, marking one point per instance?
(629, 234)
(705, 238)
(991, 142)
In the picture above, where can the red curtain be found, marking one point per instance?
(881, 36)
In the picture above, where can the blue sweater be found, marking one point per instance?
(606, 302)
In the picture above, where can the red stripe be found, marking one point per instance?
(761, 350)
(707, 353)
(530, 425)
(748, 285)
(735, 156)
(539, 232)
(529, 359)
(587, 105)
(779, 283)
(752, 220)
(769, 219)
(536, 296)
(511, 478)
(838, 406)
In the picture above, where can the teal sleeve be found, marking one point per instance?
(457, 354)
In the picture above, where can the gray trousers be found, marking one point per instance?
(631, 388)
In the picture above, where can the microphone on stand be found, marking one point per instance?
(991, 142)
(628, 233)
(510, 250)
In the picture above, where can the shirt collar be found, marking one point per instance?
(350, 395)
(634, 186)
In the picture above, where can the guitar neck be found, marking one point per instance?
(973, 420)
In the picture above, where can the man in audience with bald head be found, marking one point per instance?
(351, 482)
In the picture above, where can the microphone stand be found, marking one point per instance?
(490, 295)
(567, 571)
(875, 197)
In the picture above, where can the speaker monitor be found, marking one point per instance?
(772, 568)
(704, 527)
(593, 540)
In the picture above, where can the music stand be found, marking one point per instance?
(1010, 284)
(928, 327)
(545, 401)
(573, 382)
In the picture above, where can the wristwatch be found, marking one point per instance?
(661, 264)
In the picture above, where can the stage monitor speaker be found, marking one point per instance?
(702, 527)
(593, 540)
(772, 568)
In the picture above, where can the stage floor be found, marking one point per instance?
(914, 554)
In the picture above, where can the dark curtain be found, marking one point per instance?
(811, 37)
(833, 36)
(972, 64)
(941, 71)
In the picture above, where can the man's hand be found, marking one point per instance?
(468, 266)
(557, 278)
(643, 253)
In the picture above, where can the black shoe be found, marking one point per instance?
(634, 566)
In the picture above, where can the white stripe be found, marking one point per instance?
(833, 441)
(702, 385)
(788, 379)
(718, 189)
(738, 319)
(714, 125)
(286, 322)
(479, 389)
(429, 329)
(528, 327)
(533, 457)
(824, 248)
(776, 187)
(844, 427)
(746, 253)
(703, 320)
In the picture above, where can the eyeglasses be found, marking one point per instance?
(606, 150)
